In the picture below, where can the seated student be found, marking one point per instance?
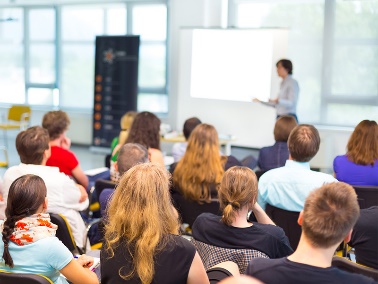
(275, 156)
(359, 166)
(232, 237)
(145, 130)
(178, 149)
(126, 122)
(28, 241)
(327, 219)
(56, 123)
(65, 197)
(129, 155)
(287, 187)
(141, 243)
(365, 236)
(201, 169)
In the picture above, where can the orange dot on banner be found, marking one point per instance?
(97, 125)
(98, 97)
(98, 88)
(97, 116)
(98, 78)
(98, 107)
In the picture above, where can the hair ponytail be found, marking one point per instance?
(229, 212)
(8, 228)
(238, 189)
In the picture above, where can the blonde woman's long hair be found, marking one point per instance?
(141, 214)
(202, 165)
(126, 122)
(237, 190)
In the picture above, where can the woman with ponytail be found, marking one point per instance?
(141, 237)
(28, 241)
(233, 237)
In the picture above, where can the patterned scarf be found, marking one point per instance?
(32, 228)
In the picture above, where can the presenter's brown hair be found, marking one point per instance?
(362, 148)
(329, 213)
(287, 64)
(303, 142)
(284, 125)
(31, 144)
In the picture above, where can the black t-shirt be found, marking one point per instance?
(269, 239)
(365, 237)
(172, 264)
(284, 271)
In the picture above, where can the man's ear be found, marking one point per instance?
(116, 166)
(348, 236)
(300, 218)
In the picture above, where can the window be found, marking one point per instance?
(334, 48)
(51, 63)
(12, 72)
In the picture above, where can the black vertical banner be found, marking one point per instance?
(116, 85)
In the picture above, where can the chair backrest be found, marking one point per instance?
(213, 255)
(23, 278)
(288, 221)
(64, 233)
(190, 210)
(19, 113)
(347, 265)
(101, 184)
(367, 196)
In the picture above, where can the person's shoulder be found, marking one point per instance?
(258, 264)
(204, 220)
(340, 159)
(348, 277)
(324, 177)
(272, 230)
(271, 174)
(181, 244)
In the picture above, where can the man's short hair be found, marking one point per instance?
(329, 213)
(31, 145)
(189, 126)
(130, 155)
(303, 142)
(283, 127)
(56, 122)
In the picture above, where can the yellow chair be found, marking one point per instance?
(18, 118)
(4, 162)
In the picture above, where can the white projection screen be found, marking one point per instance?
(220, 71)
(231, 64)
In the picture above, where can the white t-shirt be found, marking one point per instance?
(62, 193)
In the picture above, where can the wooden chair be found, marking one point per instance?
(288, 221)
(367, 196)
(22, 278)
(190, 210)
(18, 118)
(350, 266)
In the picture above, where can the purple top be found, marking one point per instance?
(354, 174)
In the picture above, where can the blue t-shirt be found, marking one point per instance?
(351, 173)
(46, 257)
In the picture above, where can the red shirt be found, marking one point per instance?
(64, 159)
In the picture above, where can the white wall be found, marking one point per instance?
(258, 120)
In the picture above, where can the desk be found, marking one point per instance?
(224, 140)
